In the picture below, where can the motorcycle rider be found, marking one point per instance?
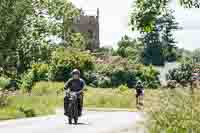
(75, 84)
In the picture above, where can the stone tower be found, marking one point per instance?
(88, 25)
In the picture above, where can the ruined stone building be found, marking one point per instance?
(88, 25)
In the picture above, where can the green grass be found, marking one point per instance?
(47, 88)
(178, 112)
(170, 111)
(22, 106)
(108, 98)
(45, 99)
(114, 98)
(41, 102)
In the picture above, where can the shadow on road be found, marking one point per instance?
(80, 123)
(83, 124)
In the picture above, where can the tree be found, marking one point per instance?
(196, 55)
(154, 20)
(145, 12)
(190, 3)
(12, 14)
(25, 26)
(153, 51)
(167, 25)
(129, 48)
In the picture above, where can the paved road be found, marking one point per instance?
(90, 122)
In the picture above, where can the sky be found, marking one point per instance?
(114, 18)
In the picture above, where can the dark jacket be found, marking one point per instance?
(139, 88)
(74, 85)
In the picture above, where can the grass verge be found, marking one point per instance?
(47, 96)
(178, 112)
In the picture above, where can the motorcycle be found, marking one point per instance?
(72, 107)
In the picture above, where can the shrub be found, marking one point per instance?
(64, 61)
(104, 69)
(13, 85)
(28, 81)
(4, 83)
(149, 76)
(28, 111)
(120, 76)
(47, 88)
(123, 88)
(4, 100)
(91, 78)
(104, 82)
(184, 72)
(123, 75)
(40, 71)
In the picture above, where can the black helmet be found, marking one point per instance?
(75, 71)
(139, 82)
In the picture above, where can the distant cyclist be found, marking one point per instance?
(139, 93)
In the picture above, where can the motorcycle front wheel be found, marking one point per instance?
(76, 120)
(69, 120)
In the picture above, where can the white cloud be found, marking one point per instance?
(114, 21)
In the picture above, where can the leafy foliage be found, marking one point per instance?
(131, 49)
(40, 71)
(119, 77)
(145, 12)
(159, 43)
(106, 76)
(4, 83)
(183, 73)
(123, 88)
(28, 80)
(28, 112)
(64, 61)
(26, 27)
(196, 55)
(149, 76)
(155, 21)
(4, 100)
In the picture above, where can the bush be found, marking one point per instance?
(104, 82)
(4, 83)
(104, 69)
(91, 78)
(4, 100)
(28, 111)
(28, 80)
(120, 76)
(184, 72)
(149, 76)
(113, 76)
(40, 72)
(47, 88)
(64, 61)
(123, 88)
